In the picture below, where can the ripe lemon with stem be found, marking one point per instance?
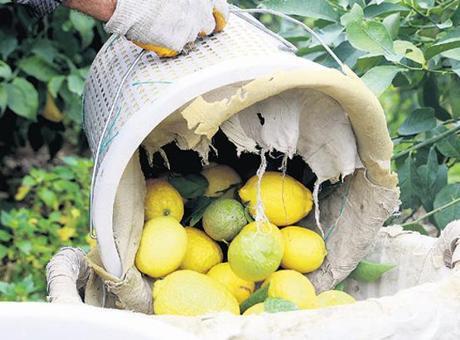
(241, 289)
(162, 199)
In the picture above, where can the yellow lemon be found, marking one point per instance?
(51, 111)
(285, 200)
(258, 308)
(304, 250)
(292, 286)
(186, 292)
(334, 298)
(256, 251)
(162, 199)
(202, 251)
(240, 289)
(162, 247)
(220, 178)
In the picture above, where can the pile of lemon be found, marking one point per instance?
(187, 263)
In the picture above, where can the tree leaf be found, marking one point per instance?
(416, 227)
(391, 22)
(5, 70)
(448, 40)
(81, 22)
(450, 146)
(197, 208)
(430, 96)
(371, 36)
(341, 286)
(24, 246)
(276, 305)
(189, 186)
(355, 14)
(306, 8)
(54, 85)
(45, 49)
(3, 252)
(409, 51)
(49, 198)
(420, 120)
(75, 84)
(409, 184)
(22, 98)
(8, 45)
(384, 8)
(257, 297)
(38, 68)
(445, 196)
(84, 25)
(379, 78)
(367, 271)
(3, 98)
(4, 236)
(433, 177)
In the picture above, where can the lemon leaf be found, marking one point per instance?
(275, 305)
(340, 286)
(260, 295)
(196, 208)
(189, 186)
(370, 271)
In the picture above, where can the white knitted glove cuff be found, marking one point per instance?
(129, 12)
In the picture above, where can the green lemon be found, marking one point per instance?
(223, 219)
(256, 251)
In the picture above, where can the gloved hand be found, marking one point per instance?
(166, 26)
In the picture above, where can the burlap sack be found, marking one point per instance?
(330, 119)
(425, 304)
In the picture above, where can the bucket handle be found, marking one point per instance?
(240, 13)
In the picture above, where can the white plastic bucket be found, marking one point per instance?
(129, 92)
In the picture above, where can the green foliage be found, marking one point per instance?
(54, 213)
(260, 295)
(40, 56)
(408, 53)
(369, 271)
(277, 305)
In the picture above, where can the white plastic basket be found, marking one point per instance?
(130, 91)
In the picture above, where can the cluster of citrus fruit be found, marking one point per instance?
(192, 274)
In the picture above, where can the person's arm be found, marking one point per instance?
(101, 9)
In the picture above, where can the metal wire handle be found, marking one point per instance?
(101, 139)
(241, 13)
(238, 11)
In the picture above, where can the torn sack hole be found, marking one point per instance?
(261, 118)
